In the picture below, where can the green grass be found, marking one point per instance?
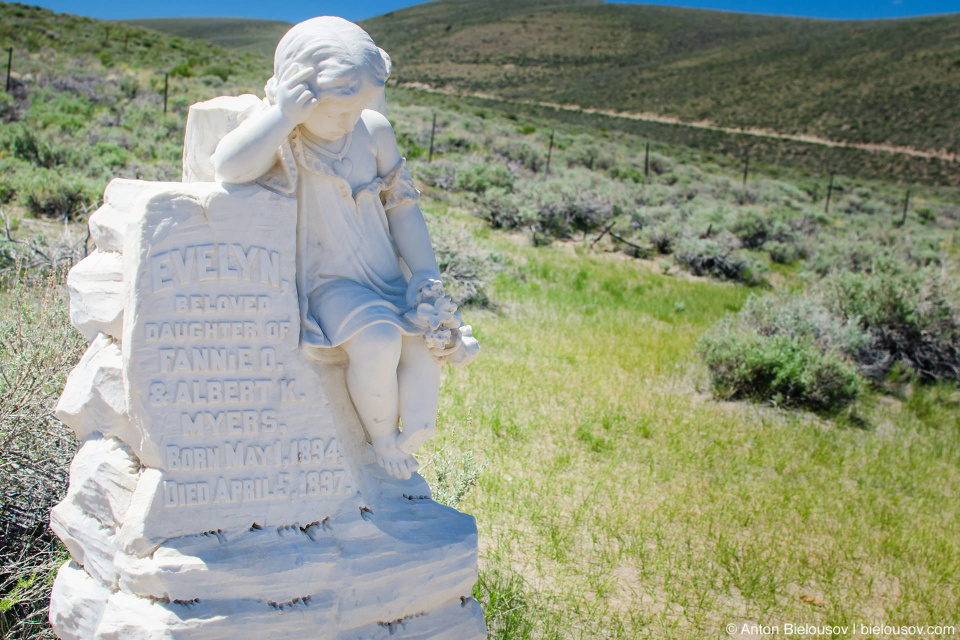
(623, 502)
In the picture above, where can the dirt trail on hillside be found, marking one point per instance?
(652, 117)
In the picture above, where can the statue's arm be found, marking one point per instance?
(407, 226)
(247, 152)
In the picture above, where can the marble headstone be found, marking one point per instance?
(224, 487)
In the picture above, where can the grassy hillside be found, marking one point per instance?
(881, 82)
(890, 81)
(244, 34)
(86, 105)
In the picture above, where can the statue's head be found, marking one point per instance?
(350, 69)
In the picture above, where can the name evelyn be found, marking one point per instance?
(214, 262)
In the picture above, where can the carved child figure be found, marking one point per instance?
(370, 280)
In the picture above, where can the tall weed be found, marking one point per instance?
(38, 347)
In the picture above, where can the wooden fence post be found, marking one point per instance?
(826, 207)
(433, 132)
(9, 66)
(906, 204)
(549, 152)
(746, 167)
(166, 86)
(646, 162)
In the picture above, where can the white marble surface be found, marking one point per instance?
(226, 485)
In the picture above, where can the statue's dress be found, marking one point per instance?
(349, 273)
(352, 273)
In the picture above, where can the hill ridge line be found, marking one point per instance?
(652, 117)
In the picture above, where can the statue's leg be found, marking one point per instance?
(419, 380)
(374, 354)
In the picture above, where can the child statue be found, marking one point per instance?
(369, 279)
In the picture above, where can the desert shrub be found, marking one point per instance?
(752, 227)
(627, 173)
(926, 214)
(803, 314)
(22, 143)
(480, 176)
(789, 352)
(523, 153)
(560, 217)
(780, 192)
(848, 255)
(441, 174)
(465, 267)
(908, 313)
(590, 155)
(49, 194)
(709, 257)
(858, 203)
(659, 164)
(67, 110)
(7, 190)
(663, 237)
(38, 347)
(129, 86)
(451, 475)
(451, 141)
(500, 208)
(222, 71)
(182, 70)
(785, 252)
(8, 108)
(554, 208)
(214, 82)
(111, 155)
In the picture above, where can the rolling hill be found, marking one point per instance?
(894, 82)
(881, 81)
(245, 34)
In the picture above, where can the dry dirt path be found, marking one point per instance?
(652, 117)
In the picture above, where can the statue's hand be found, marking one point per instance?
(294, 96)
(423, 286)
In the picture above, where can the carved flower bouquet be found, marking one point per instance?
(444, 332)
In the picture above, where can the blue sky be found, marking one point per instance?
(297, 10)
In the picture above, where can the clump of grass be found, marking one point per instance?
(510, 609)
(452, 475)
(787, 351)
(38, 347)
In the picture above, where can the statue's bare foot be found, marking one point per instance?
(412, 438)
(397, 463)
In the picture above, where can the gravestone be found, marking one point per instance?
(224, 487)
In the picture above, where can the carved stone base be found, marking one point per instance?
(403, 573)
